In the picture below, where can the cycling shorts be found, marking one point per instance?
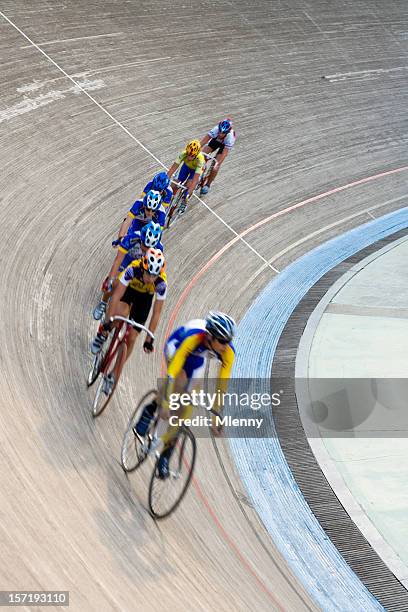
(185, 173)
(140, 304)
(216, 144)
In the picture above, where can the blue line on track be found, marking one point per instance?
(260, 461)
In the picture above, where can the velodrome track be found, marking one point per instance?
(70, 519)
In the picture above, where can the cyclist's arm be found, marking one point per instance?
(224, 374)
(205, 140)
(117, 295)
(161, 218)
(227, 361)
(172, 169)
(193, 183)
(157, 309)
(126, 223)
(117, 261)
(220, 158)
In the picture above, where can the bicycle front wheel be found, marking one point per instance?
(102, 399)
(95, 369)
(175, 209)
(134, 450)
(166, 495)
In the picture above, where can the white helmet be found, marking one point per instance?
(152, 200)
(150, 234)
(153, 262)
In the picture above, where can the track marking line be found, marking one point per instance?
(234, 547)
(293, 245)
(136, 140)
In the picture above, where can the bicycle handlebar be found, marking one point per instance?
(179, 184)
(133, 324)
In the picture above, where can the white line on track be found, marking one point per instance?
(134, 138)
(65, 40)
(324, 229)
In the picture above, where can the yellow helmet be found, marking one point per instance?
(193, 148)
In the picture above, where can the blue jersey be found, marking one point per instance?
(137, 212)
(131, 245)
(166, 195)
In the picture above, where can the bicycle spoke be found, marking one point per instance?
(133, 452)
(165, 495)
(94, 370)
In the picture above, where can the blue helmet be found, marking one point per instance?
(220, 326)
(150, 234)
(152, 200)
(160, 181)
(225, 126)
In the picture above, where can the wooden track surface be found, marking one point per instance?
(70, 519)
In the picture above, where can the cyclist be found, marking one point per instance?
(132, 297)
(133, 246)
(221, 137)
(185, 352)
(144, 210)
(192, 164)
(160, 183)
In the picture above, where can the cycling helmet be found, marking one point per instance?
(193, 148)
(153, 262)
(220, 325)
(152, 200)
(225, 126)
(150, 234)
(160, 181)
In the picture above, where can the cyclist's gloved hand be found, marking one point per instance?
(148, 346)
(116, 242)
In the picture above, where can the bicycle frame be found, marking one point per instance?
(116, 343)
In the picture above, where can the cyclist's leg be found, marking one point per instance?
(192, 372)
(140, 307)
(122, 311)
(180, 386)
(106, 296)
(181, 177)
(215, 169)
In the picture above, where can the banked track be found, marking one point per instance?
(69, 517)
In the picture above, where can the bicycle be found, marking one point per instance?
(208, 168)
(135, 449)
(113, 354)
(178, 204)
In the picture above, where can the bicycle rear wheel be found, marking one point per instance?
(134, 450)
(166, 495)
(101, 400)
